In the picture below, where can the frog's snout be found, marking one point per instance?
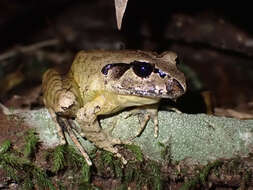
(175, 88)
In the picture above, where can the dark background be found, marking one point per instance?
(215, 45)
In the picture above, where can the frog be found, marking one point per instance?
(103, 82)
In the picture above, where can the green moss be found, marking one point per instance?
(202, 176)
(66, 157)
(31, 143)
(12, 164)
(8, 167)
(58, 158)
(27, 175)
(5, 146)
(86, 173)
(165, 152)
(21, 170)
(87, 186)
(41, 178)
(61, 186)
(107, 164)
(28, 184)
(139, 178)
(24, 172)
(136, 150)
(76, 161)
(107, 158)
(118, 169)
(155, 177)
(233, 165)
(129, 173)
(146, 173)
(122, 187)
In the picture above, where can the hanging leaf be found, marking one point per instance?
(120, 7)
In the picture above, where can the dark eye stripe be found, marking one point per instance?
(141, 69)
(118, 69)
(106, 68)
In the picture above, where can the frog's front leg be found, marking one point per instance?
(56, 97)
(87, 119)
(145, 113)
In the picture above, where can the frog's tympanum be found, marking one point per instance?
(105, 82)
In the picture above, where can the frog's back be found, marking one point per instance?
(92, 61)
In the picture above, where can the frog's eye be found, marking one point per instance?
(142, 69)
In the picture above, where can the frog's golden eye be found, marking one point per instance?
(142, 69)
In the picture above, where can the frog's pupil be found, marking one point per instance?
(142, 69)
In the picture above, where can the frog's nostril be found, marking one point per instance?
(175, 89)
(64, 108)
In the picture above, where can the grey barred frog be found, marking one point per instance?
(105, 82)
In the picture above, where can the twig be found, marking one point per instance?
(75, 140)
(5, 110)
(25, 49)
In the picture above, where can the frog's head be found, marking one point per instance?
(147, 74)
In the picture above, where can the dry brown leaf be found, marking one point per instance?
(10, 81)
(233, 113)
(120, 7)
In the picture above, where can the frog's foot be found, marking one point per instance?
(109, 143)
(144, 114)
(109, 130)
(115, 141)
(102, 139)
(115, 151)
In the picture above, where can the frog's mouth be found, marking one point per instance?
(173, 90)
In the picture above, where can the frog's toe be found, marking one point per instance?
(127, 141)
(115, 151)
(134, 112)
(62, 140)
(123, 160)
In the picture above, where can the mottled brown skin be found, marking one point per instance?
(90, 89)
